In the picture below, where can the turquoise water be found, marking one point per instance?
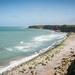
(18, 42)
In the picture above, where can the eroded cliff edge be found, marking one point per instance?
(62, 28)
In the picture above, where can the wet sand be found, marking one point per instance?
(46, 63)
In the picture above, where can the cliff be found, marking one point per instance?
(62, 28)
(67, 66)
(37, 27)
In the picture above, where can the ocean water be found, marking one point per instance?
(18, 45)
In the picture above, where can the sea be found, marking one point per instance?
(19, 44)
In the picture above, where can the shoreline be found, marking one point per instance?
(34, 66)
(18, 62)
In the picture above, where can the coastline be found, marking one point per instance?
(48, 61)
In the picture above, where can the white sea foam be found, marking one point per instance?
(16, 63)
(36, 42)
(51, 46)
(35, 52)
(61, 36)
(21, 47)
(9, 49)
(43, 38)
(59, 41)
(21, 42)
(47, 37)
(46, 49)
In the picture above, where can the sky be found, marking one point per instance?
(36, 12)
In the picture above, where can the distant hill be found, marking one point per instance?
(62, 28)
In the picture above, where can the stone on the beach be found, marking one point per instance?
(71, 51)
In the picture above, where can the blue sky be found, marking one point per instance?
(36, 12)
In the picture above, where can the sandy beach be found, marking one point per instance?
(47, 63)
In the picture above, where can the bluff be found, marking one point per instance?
(62, 28)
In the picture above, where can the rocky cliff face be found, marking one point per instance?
(67, 66)
(62, 28)
(37, 27)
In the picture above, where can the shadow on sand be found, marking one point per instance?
(71, 69)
